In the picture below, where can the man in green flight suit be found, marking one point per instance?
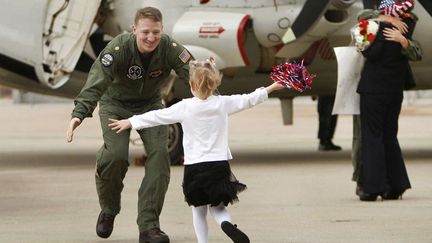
(126, 80)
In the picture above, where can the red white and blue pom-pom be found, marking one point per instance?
(293, 75)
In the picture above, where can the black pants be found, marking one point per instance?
(383, 165)
(327, 121)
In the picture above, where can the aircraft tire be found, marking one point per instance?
(175, 144)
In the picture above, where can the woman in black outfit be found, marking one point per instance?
(385, 75)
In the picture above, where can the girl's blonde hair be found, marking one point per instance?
(205, 76)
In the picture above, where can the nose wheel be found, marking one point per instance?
(175, 146)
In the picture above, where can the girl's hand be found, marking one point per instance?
(393, 34)
(119, 125)
(273, 87)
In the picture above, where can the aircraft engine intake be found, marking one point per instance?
(342, 4)
(217, 34)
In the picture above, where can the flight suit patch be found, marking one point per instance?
(134, 72)
(107, 59)
(184, 56)
(155, 74)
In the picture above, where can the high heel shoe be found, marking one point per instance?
(363, 196)
(392, 195)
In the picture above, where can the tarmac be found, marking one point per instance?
(295, 193)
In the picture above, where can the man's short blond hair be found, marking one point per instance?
(148, 13)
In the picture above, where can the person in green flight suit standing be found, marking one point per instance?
(126, 80)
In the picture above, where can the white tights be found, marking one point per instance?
(199, 214)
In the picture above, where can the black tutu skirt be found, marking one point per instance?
(210, 183)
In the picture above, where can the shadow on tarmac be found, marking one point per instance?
(67, 159)
(306, 156)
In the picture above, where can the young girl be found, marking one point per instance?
(208, 183)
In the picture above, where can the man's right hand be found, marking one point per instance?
(74, 123)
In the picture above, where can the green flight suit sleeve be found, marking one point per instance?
(368, 14)
(98, 80)
(178, 58)
(413, 52)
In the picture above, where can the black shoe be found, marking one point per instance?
(392, 195)
(234, 233)
(154, 235)
(105, 225)
(334, 146)
(328, 146)
(363, 196)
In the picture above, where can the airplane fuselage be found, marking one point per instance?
(245, 36)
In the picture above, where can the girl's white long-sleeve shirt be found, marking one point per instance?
(204, 123)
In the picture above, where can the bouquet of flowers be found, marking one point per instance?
(292, 75)
(364, 33)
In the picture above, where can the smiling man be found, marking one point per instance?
(126, 80)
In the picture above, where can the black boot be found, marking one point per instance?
(236, 235)
(105, 225)
(154, 235)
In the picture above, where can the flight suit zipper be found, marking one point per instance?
(141, 87)
(152, 60)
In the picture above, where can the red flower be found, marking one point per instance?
(363, 23)
(363, 32)
(371, 37)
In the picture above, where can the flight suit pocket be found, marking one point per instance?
(156, 78)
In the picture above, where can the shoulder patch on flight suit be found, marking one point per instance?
(116, 48)
(184, 56)
(174, 44)
(107, 59)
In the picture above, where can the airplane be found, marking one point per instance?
(48, 46)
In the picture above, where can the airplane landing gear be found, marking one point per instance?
(175, 146)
